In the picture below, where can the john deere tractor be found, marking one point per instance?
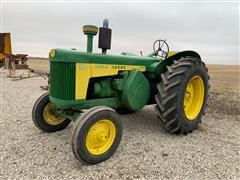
(90, 88)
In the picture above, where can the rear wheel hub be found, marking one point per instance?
(193, 98)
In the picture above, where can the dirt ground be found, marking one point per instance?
(147, 151)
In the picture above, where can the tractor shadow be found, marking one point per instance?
(144, 120)
(138, 127)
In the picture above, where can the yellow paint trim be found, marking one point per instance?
(85, 71)
(171, 53)
(83, 74)
(99, 70)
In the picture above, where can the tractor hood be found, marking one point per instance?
(65, 55)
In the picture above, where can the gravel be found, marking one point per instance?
(147, 151)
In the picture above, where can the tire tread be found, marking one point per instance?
(168, 95)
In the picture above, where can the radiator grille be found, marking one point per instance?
(62, 80)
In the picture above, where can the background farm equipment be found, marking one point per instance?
(5, 46)
(102, 83)
(15, 65)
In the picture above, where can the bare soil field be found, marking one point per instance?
(39, 65)
(147, 151)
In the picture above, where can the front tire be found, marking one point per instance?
(182, 95)
(44, 118)
(97, 134)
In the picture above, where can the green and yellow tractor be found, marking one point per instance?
(90, 88)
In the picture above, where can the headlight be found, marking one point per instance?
(52, 53)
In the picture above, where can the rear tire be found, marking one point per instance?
(172, 97)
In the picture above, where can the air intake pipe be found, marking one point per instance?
(90, 31)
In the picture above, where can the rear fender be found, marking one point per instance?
(169, 60)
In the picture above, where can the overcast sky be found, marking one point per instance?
(211, 29)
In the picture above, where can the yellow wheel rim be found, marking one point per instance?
(50, 117)
(193, 98)
(100, 137)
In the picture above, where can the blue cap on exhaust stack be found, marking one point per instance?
(105, 23)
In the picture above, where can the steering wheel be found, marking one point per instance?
(161, 48)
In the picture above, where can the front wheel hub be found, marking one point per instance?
(50, 117)
(100, 137)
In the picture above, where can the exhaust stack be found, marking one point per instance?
(105, 35)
